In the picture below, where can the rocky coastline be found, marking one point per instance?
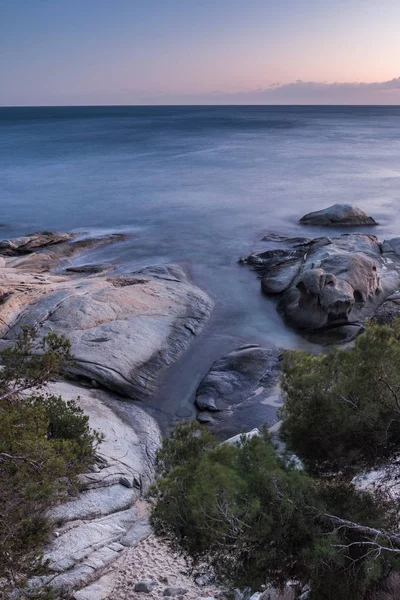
(125, 330)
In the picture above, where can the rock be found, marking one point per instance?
(337, 283)
(42, 252)
(174, 591)
(238, 439)
(124, 330)
(145, 587)
(389, 310)
(90, 269)
(278, 268)
(241, 390)
(202, 580)
(32, 242)
(95, 527)
(272, 593)
(338, 215)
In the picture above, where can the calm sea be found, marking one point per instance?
(201, 186)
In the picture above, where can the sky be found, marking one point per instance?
(86, 52)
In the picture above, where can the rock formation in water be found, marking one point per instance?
(340, 215)
(330, 285)
(123, 329)
(240, 390)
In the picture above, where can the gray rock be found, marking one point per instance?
(93, 528)
(335, 286)
(241, 390)
(174, 591)
(123, 330)
(32, 242)
(338, 215)
(272, 593)
(278, 268)
(389, 310)
(145, 587)
(202, 580)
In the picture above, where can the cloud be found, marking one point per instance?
(313, 92)
(296, 92)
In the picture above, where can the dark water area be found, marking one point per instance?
(199, 186)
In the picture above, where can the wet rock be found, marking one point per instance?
(90, 269)
(329, 286)
(241, 390)
(32, 242)
(41, 255)
(278, 268)
(338, 215)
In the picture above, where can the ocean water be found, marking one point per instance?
(200, 186)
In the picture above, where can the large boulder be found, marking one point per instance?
(330, 285)
(124, 329)
(341, 215)
(240, 391)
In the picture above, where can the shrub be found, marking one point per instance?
(342, 410)
(254, 517)
(44, 443)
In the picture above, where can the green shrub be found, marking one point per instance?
(342, 410)
(44, 443)
(254, 517)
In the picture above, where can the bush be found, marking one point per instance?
(342, 410)
(254, 517)
(44, 443)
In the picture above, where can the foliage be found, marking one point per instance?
(44, 443)
(342, 409)
(254, 517)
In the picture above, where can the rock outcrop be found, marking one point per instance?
(92, 529)
(340, 215)
(330, 285)
(240, 391)
(123, 329)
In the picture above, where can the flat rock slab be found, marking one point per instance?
(327, 287)
(124, 330)
(240, 391)
(344, 215)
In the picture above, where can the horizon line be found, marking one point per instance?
(195, 105)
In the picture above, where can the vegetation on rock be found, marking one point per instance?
(44, 443)
(255, 516)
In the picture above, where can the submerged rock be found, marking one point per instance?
(338, 215)
(330, 285)
(240, 390)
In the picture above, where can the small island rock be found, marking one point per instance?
(340, 215)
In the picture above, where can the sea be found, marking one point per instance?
(200, 186)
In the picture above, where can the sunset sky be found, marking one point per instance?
(199, 52)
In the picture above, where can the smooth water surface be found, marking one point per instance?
(199, 186)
